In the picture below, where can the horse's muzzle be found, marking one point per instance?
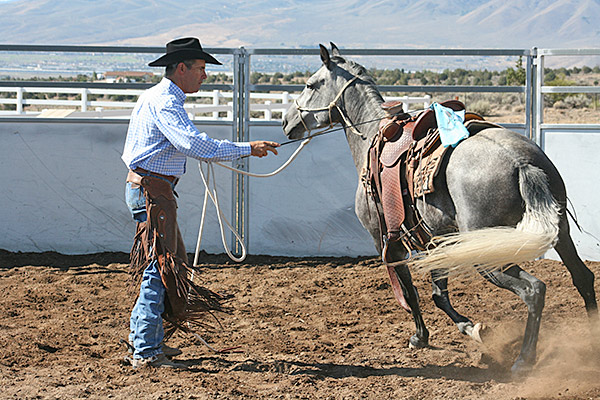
(292, 127)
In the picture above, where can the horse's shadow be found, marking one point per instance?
(340, 371)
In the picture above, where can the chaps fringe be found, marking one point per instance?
(187, 304)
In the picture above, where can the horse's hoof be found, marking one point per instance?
(521, 369)
(417, 343)
(478, 332)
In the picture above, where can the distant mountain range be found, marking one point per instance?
(305, 23)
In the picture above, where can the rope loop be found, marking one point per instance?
(212, 194)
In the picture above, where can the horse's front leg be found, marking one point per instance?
(409, 291)
(404, 291)
(406, 294)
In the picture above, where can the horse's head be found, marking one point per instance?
(322, 102)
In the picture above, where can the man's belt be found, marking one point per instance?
(135, 176)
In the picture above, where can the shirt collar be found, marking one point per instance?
(173, 89)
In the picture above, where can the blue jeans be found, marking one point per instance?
(146, 323)
(136, 201)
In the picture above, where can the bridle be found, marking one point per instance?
(333, 104)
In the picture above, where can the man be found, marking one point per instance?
(159, 140)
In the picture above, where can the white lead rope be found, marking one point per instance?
(212, 194)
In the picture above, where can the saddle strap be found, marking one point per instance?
(396, 288)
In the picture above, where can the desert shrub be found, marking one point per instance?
(577, 101)
(482, 107)
(512, 99)
(495, 98)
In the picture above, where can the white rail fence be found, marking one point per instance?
(205, 105)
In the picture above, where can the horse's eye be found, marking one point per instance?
(310, 86)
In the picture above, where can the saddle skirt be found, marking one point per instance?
(391, 182)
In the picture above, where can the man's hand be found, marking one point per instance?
(261, 148)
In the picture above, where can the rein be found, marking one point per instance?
(210, 191)
(331, 129)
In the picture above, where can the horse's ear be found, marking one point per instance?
(325, 56)
(334, 50)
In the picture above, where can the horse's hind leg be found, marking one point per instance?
(532, 291)
(439, 283)
(582, 277)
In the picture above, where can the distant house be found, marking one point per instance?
(127, 76)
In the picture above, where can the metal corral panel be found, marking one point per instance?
(575, 154)
(63, 190)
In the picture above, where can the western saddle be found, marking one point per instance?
(404, 158)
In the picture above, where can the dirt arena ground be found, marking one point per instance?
(315, 328)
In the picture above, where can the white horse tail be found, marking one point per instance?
(497, 247)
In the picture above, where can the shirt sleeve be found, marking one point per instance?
(174, 123)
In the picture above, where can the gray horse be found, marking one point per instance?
(498, 201)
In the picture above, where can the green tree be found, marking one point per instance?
(518, 75)
(549, 75)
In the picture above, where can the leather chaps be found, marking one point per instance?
(159, 239)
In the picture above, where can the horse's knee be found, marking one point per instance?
(539, 288)
(442, 302)
(534, 296)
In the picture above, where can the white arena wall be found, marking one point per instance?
(575, 154)
(63, 190)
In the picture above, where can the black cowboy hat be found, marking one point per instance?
(183, 49)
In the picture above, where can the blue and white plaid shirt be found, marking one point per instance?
(161, 136)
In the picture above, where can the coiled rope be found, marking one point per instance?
(211, 192)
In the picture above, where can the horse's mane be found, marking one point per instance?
(360, 71)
